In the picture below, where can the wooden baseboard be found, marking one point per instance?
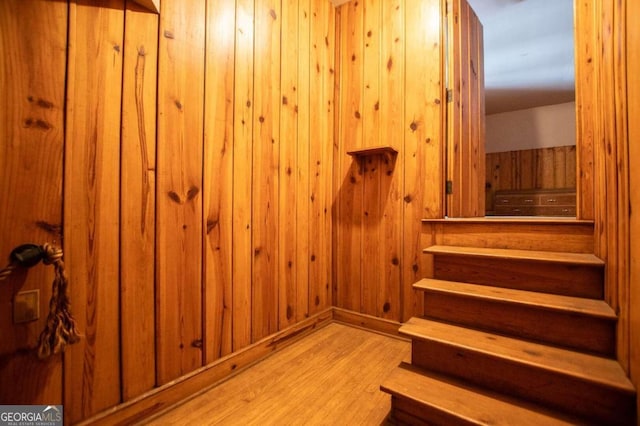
(367, 322)
(164, 397)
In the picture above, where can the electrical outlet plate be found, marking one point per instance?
(26, 306)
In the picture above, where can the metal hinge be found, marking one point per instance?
(449, 187)
(449, 95)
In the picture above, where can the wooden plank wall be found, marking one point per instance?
(602, 101)
(32, 83)
(633, 96)
(137, 201)
(91, 204)
(390, 94)
(543, 168)
(466, 122)
(182, 246)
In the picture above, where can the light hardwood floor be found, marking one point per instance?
(331, 377)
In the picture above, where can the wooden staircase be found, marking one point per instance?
(512, 337)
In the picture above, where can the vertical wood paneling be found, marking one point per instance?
(242, 175)
(32, 82)
(601, 100)
(423, 140)
(392, 169)
(466, 160)
(266, 146)
(463, 176)
(303, 232)
(633, 97)
(586, 50)
(350, 193)
(179, 189)
(218, 177)
(372, 208)
(316, 122)
(321, 113)
(137, 203)
(614, 201)
(91, 211)
(337, 148)
(328, 150)
(288, 164)
(454, 106)
(481, 121)
(477, 119)
(380, 199)
(371, 217)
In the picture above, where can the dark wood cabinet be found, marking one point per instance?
(535, 202)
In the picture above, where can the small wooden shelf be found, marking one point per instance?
(374, 150)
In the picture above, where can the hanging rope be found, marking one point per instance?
(60, 329)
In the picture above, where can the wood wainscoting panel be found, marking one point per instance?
(179, 188)
(218, 178)
(321, 110)
(287, 252)
(266, 152)
(33, 40)
(350, 194)
(91, 205)
(137, 202)
(242, 164)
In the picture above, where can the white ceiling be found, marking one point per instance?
(529, 58)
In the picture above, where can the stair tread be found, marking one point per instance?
(591, 368)
(578, 305)
(474, 404)
(532, 255)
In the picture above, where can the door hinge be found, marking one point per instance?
(449, 187)
(449, 95)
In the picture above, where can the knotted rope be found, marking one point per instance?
(60, 329)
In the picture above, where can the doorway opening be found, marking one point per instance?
(511, 121)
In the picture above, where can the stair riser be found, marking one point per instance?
(568, 280)
(593, 401)
(408, 412)
(585, 333)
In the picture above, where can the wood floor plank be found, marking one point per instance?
(330, 377)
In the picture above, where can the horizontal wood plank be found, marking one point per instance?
(585, 367)
(460, 403)
(368, 322)
(576, 305)
(511, 254)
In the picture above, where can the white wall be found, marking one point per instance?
(541, 127)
